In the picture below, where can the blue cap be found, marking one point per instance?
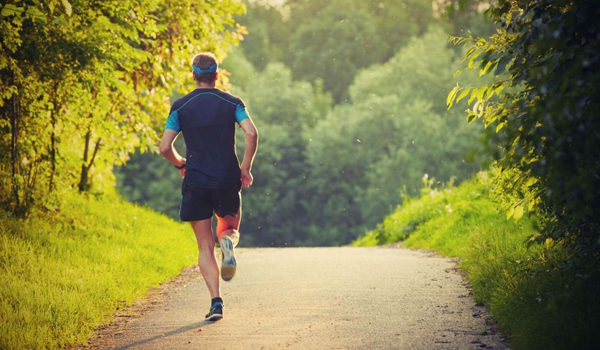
(211, 69)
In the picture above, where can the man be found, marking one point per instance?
(212, 174)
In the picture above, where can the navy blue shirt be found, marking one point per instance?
(207, 119)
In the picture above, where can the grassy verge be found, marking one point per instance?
(63, 275)
(538, 300)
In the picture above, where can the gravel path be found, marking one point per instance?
(313, 298)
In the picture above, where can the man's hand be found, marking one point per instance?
(247, 178)
(182, 172)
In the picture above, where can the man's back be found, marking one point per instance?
(207, 120)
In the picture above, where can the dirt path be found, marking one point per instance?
(315, 298)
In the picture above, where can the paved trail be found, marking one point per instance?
(318, 298)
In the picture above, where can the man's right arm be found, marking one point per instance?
(251, 136)
(168, 150)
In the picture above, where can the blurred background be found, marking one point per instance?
(349, 97)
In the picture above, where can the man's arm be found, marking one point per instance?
(168, 150)
(251, 135)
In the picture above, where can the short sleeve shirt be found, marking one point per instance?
(207, 120)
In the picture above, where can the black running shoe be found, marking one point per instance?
(228, 264)
(215, 313)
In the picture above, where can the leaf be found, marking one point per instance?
(463, 94)
(485, 70)
(452, 96)
(68, 7)
(499, 127)
(510, 212)
(37, 14)
(481, 92)
(473, 95)
(10, 10)
(518, 213)
(471, 117)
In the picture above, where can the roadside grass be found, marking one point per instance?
(63, 274)
(538, 300)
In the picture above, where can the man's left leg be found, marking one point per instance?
(208, 266)
(228, 235)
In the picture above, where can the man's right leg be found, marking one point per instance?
(228, 235)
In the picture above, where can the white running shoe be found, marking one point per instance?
(228, 264)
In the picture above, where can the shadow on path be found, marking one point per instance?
(167, 334)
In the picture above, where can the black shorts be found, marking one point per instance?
(201, 203)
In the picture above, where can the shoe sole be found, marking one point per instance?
(228, 264)
(214, 317)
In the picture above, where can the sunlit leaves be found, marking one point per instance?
(544, 114)
(85, 83)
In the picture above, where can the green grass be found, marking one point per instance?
(538, 302)
(63, 274)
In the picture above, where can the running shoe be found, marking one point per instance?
(215, 313)
(228, 264)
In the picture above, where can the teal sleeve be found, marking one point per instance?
(173, 122)
(240, 113)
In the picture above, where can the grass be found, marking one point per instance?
(63, 274)
(538, 301)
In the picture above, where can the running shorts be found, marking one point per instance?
(201, 203)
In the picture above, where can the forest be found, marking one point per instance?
(351, 110)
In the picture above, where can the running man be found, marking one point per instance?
(212, 175)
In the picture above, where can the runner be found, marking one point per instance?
(212, 174)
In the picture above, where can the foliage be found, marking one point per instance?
(323, 58)
(150, 180)
(268, 38)
(537, 303)
(331, 40)
(284, 111)
(83, 83)
(393, 133)
(323, 175)
(544, 112)
(63, 274)
(349, 163)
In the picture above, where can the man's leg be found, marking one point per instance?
(228, 235)
(206, 257)
(229, 226)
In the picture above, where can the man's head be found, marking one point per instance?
(205, 68)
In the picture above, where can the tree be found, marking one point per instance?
(84, 81)
(334, 46)
(268, 35)
(283, 111)
(544, 112)
(395, 131)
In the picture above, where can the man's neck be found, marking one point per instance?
(205, 85)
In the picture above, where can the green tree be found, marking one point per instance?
(283, 111)
(333, 47)
(544, 112)
(83, 83)
(396, 130)
(267, 35)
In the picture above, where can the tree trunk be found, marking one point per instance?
(85, 167)
(14, 147)
(83, 180)
(52, 152)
